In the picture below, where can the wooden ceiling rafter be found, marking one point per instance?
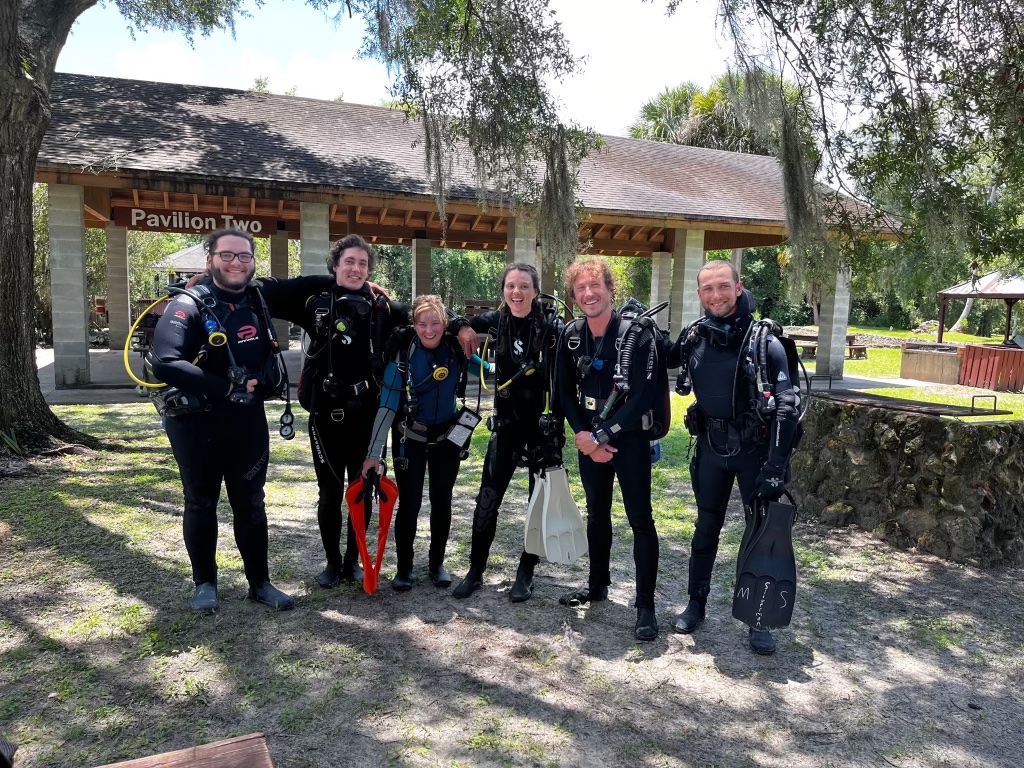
(383, 215)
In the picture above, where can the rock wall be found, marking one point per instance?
(948, 487)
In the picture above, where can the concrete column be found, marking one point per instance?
(67, 286)
(420, 267)
(279, 268)
(833, 323)
(119, 315)
(687, 259)
(661, 282)
(314, 237)
(522, 241)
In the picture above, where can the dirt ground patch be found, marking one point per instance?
(893, 659)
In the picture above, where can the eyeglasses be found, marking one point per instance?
(245, 258)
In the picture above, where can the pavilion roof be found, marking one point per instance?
(990, 286)
(172, 130)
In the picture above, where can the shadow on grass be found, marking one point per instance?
(876, 666)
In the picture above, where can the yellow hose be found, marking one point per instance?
(127, 343)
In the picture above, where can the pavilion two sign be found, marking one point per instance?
(192, 222)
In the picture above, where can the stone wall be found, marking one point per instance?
(948, 487)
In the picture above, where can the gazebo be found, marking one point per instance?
(990, 286)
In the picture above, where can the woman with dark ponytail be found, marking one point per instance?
(525, 432)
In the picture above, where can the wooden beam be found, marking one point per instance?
(167, 203)
(408, 216)
(252, 206)
(280, 209)
(383, 215)
(463, 245)
(636, 232)
(359, 209)
(350, 217)
(618, 231)
(475, 222)
(655, 232)
(135, 197)
(430, 218)
(95, 214)
(451, 223)
(334, 211)
(225, 198)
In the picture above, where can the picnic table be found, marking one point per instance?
(808, 344)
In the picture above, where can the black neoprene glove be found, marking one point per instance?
(770, 483)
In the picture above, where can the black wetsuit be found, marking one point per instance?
(733, 443)
(518, 438)
(338, 385)
(227, 442)
(582, 395)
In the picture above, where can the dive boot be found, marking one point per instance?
(204, 599)
(441, 578)
(473, 581)
(646, 628)
(351, 573)
(403, 580)
(584, 595)
(690, 619)
(761, 642)
(329, 577)
(267, 594)
(522, 590)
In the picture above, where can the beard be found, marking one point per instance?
(234, 280)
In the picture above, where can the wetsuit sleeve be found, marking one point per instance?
(565, 382)
(390, 394)
(401, 314)
(787, 406)
(485, 322)
(287, 299)
(178, 337)
(641, 387)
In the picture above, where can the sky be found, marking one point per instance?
(633, 51)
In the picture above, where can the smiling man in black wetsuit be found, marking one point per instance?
(732, 444)
(219, 433)
(609, 434)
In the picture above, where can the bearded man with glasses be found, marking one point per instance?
(218, 352)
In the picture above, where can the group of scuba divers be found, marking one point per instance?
(375, 367)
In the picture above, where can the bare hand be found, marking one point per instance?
(469, 340)
(195, 279)
(376, 290)
(250, 385)
(603, 454)
(370, 463)
(585, 443)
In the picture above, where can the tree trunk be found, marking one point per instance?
(26, 71)
(961, 323)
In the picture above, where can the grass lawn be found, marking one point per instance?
(960, 338)
(892, 658)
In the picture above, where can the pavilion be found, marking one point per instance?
(127, 154)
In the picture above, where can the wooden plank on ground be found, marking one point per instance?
(240, 752)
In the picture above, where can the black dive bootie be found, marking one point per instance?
(522, 589)
(690, 619)
(473, 581)
(646, 628)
